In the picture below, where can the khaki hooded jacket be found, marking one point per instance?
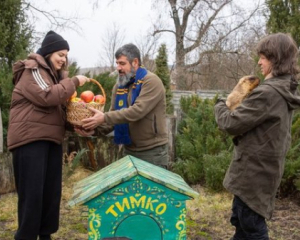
(262, 129)
(37, 105)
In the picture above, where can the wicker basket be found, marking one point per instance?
(76, 111)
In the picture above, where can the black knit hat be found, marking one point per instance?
(52, 42)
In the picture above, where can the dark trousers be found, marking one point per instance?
(38, 177)
(248, 224)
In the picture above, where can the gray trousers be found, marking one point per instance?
(158, 155)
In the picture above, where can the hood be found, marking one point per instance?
(286, 86)
(32, 62)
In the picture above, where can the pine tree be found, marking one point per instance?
(284, 17)
(73, 69)
(162, 71)
(199, 143)
(15, 35)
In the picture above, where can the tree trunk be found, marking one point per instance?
(181, 73)
(7, 181)
(1, 133)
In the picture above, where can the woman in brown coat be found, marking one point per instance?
(35, 135)
(261, 126)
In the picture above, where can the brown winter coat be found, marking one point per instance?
(261, 126)
(37, 105)
(146, 117)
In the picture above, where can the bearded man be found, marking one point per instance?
(137, 113)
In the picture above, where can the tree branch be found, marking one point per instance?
(54, 17)
(204, 27)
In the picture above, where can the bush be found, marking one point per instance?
(215, 167)
(198, 139)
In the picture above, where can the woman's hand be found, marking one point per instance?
(81, 131)
(82, 79)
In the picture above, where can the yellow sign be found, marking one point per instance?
(131, 203)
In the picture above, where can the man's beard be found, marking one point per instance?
(125, 79)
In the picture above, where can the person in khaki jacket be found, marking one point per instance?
(36, 130)
(262, 129)
(137, 112)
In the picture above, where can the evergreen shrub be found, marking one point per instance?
(200, 143)
(215, 167)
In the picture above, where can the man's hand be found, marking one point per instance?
(92, 122)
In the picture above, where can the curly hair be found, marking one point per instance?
(282, 51)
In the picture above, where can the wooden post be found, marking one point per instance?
(171, 126)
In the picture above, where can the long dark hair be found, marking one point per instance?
(282, 51)
(58, 73)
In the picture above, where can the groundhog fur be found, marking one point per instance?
(245, 85)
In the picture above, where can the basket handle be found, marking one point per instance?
(99, 85)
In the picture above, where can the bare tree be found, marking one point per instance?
(112, 40)
(200, 27)
(206, 32)
(148, 47)
(55, 19)
(222, 69)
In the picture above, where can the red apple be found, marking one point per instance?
(99, 99)
(87, 96)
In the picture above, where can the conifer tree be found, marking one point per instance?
(73, 69)
(162, 71)
(15, 35)
(284, 17)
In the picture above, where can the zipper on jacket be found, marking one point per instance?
(155, 125)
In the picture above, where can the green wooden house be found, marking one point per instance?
(133, 199)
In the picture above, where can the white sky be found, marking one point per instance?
(133, 17)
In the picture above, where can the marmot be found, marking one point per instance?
(245, 85)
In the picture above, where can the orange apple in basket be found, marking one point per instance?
(99, 99)
(87, 96)
(74, 95)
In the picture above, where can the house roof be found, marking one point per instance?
(123, 170)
